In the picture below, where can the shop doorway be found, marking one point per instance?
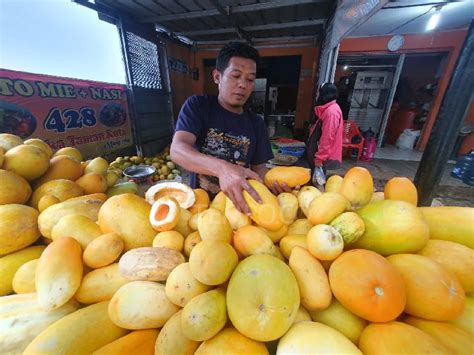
(388, 94)
(416, 90)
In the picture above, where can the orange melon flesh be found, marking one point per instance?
(162, 212)
(179, 195)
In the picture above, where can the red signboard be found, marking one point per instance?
(88, 115)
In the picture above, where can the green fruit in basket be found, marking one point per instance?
(122, 188)
(168, 157)
(170, 165)
(170, 177)
(165, 170)
(112, 177)
(176, 171)
(162, 177)
(126, 165)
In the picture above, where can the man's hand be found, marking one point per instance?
(233, 180)
(277, 188)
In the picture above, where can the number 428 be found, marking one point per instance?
(74, 119)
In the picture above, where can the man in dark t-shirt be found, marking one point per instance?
(222, 144)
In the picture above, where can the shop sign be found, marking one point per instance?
(178, 65)
(88, 115)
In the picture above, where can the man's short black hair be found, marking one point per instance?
(327, 93)
(235, 49)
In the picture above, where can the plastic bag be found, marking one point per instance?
(318, 176)
(407, 139)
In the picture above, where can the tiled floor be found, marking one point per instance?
(391, 152)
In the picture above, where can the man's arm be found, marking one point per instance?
(232, 178)
(260, 169)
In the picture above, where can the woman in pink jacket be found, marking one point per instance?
(325, 138)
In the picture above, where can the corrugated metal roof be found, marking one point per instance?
(212, 21)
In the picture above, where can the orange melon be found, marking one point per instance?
(402, 189)
(456, 340)
(292, 176)
(368, 285)
(433, 292)
(398, 338)
(357, 186)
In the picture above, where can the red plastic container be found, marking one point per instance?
(402, 119)
(370, 145)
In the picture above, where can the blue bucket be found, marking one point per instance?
(293, 151)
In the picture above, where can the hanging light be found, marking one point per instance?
(345, 67)
(434, 19)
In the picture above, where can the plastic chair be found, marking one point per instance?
(352, 130)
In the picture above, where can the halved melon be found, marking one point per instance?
(164, 214)
(181, 192)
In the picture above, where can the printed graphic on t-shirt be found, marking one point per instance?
(225, 146)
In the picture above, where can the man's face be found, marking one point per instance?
(236, 83)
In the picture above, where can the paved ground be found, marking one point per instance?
(450, 192)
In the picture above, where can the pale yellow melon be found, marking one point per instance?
(141, 305)
(61, 167)
(340, 318)
(103, 250)
(169, 239)
(172, 340)
(300, 226)
(9, 265)
(40, 144)
(262, 297)
(77, 226)
(18, 227)
(9, 141)
(75, 334)
(26, 160)
(92, 183)
(13, 188)
(24, 279)
(289, 207)
(230, 341)
(70, 152)
(182, 286)
(97, 165)
(47, 201)
(204, 315)
(315, 338)
(213, 225)
(190, 242)
(212, 261)
(135, 230)
(63, 189)
(312, 280)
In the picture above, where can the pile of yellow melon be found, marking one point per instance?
(343, 271)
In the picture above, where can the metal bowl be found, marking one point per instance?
(139, 173)
(283, 159)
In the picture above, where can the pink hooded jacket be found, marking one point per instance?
(330, 143)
